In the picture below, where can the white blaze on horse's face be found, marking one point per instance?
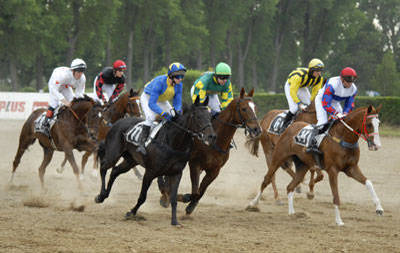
(377, 139)
(253, 107)
(138, 104)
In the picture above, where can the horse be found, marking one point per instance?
(68, 132)
(269, 139)
(340, 150)
(100, 120)
(167, 154)
(240, 113)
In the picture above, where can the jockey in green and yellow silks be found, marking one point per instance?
(213, 83)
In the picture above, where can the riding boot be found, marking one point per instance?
(313, 145)
(143, 138)
(46, 121)
(286, 121)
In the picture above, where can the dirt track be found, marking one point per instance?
(219, 224)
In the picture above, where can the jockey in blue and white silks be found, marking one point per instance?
(336, 90)
(327, 102)
(155, 97)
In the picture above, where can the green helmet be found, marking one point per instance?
(223, 69)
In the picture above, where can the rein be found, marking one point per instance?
(364, 134)
(199, 135)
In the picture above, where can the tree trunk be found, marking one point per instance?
(13, 74)
(129, 72)
(73, 37)
(108, 52)
(242, 55)
(39, 72)
(306, 33)
(254, 75)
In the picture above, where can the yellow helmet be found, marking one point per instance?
(316, 64)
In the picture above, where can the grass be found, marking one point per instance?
(389, 131)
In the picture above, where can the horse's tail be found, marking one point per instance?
(26, 138)
(253, 143)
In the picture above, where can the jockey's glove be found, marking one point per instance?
(166, 116)
(340, 115)
(302, 106)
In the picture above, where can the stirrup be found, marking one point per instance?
(141, 149)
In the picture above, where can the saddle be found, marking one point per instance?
(133, 134)
(276, 124)
(39, 126)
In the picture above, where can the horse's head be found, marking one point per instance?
(199, 122)
(95, 116)
(371, 127)
(244, 112)
(367, 125)
(127, 103)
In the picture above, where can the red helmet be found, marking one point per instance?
(348, 74)
(119, 65)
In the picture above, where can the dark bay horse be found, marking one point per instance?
(167, 154)
(101, 119)
(240, 113)
(340, 154)
(268, 141)
(69, 132)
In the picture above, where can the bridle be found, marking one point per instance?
(243, 121)
(131, 106)
(194, 134)
(364, 133)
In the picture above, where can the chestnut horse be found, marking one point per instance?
(240, 113)
(340, 153)
(269, 140)
(69, 132)
(101, 119)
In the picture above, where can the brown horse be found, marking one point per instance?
(68, 132)
(240, 113)
(269, 139)
(340, 153)
(101, 119)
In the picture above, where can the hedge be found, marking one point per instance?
(389, 113)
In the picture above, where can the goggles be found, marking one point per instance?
(224, 77)
(349, 79)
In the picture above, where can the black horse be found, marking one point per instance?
(167, 154)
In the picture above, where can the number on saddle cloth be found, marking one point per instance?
(39, 127)
(133, 134)
(277, 123)
(304, 137)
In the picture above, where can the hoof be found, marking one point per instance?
(298, 189)
(186, 198)
(310, 195)
(164, 202)
(190, 208)
(278, 202)
(252, 209)
(60, 170)
(98, 199)
(379, 212)
(131, 216)
(176, 224)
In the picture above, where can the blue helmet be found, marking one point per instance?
(176, 68)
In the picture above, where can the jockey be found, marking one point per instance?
(154, 99)
(213, 83)
(110, 82)
(327, 102)
(61, 82)
(297, 94)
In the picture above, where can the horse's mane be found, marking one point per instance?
(80, 99)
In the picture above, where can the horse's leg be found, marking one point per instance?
(62, 166)
(356, 173)
(71, 159)
(147, 180)
(272, 168)
(301, 170)
(123, 167)
(137, 173)
(194, 179)
(162, 182)
(47, 155)
(207, 180)
(313, 181)
(174, 185)
(268, 148)
(333, 174)
(85, 158)
(26, 139)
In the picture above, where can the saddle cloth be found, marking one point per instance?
(277, 123)
(133, 134)
(39, 128)
(303, 137)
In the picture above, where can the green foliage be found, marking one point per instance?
(386, 79)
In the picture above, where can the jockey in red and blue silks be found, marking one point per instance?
(327, 102)
(336, 90)
(155, 97)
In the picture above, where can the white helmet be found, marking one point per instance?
(78, 64)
